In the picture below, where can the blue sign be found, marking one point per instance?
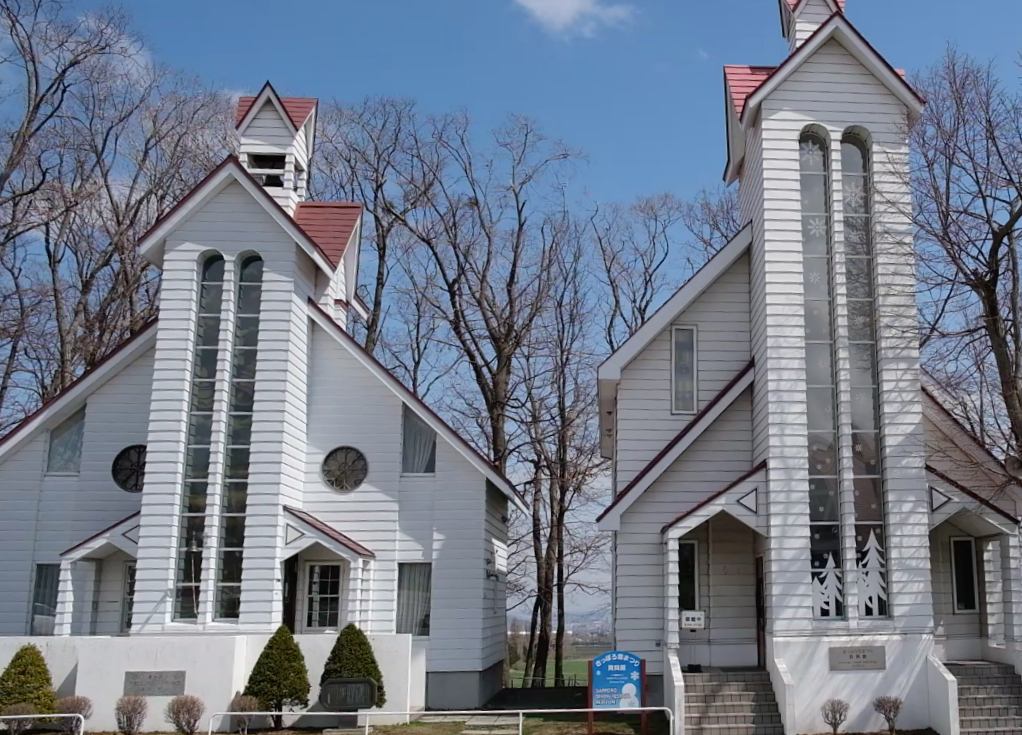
(616, 681)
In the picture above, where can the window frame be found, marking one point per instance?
(694, 543)
(129, 580)
(405, 412)
(675, 328)
(342, 590)
(32, 597)
(397, 597)
(954, 576)
(47, 472)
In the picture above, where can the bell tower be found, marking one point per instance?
(275, 142)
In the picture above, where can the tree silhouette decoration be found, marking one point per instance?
(827, 590)
(872, 578)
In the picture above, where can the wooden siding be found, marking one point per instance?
(956, 628)
(45, 514)
(812, 15)
(645, 423)
(722, 454)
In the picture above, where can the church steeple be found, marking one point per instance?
(276, 136)
(801, 18)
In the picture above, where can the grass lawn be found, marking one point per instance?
(574, 668)
(569, 724)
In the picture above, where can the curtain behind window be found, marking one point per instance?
(418, 452)
(44, 598)
(65, 453)
(413, 598)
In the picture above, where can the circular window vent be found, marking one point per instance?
(345, 468)
(128, 469)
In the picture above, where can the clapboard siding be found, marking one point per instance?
(723, 453)
(645, 423)
(833, 91)
(947, 623)
(268, 129)
(440, 519)
(494, 613)
(46, 514)
(811, 15)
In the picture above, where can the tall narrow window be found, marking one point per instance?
(418, 446)
(870, 538)
(414, 596)
(44, 598)
(239, 438)
(683, 374)
(65, 454)
(323, 599)
(824, 508)
(199, 439)
(963, 575)
(688, 575)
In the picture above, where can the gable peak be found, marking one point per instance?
(801, 18)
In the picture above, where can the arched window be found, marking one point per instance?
(870, 537)
(239, 437)
(824, 506)
(199, 439)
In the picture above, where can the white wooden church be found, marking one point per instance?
(796, 515)
(242, 463)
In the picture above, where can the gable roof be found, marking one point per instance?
(756, 475)
(329, 224)
(330, 532)
(608, 520)
(969, 493)
(56, 407)
(741, 81)
(106, 532)
(420, 407)
(296, 109)
(322, 249)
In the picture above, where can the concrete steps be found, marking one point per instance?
(731, 703)
(989, 697)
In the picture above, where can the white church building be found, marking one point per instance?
(796, 516)
(242, 463)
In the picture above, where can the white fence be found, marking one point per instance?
(80, 720)
(519, 714)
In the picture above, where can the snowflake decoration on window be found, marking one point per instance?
(811, 155)
(814, 278)
(854, 195)
(818, 227)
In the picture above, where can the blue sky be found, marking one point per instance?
(635, 84)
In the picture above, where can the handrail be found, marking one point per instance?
(49, 716)
(521, 714)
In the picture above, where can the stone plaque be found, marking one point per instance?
(154, 683)
(858, 658)
(347, 695)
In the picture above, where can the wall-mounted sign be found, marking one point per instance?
(342, 695)
(154, 683)
(693, 620)
(858, 658)
(616, 681)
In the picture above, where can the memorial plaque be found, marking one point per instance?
(858, 658)
(347, 695)
(154, 683)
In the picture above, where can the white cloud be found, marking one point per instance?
(577, 17)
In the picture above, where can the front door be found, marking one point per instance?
(760, 615)
(290, 592)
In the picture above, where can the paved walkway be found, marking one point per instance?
(481, 724)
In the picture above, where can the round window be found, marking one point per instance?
(345, 468)
(128, 469)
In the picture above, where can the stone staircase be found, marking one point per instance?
(989, 697)
(731, 703)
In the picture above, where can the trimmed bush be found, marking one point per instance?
(17, 727)
(834, 713)
(352, 657)
(26, 680)
(280, 679)
(243, 703)
(184, 712)
(130, 712)
(73, 705)
(889, 708)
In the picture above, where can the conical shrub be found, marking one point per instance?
(352, 657)
(280, 679)
(26, 680)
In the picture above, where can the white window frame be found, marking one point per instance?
(47, 472)
(303, 597)
(695, 370)
(405, 410)
(128, 566)
(954, 576)
(397, 593)
(695, 580)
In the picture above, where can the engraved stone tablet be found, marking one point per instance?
(858, 658)
(154, 683)
(341, 695)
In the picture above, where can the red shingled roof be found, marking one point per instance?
(792, 4)
(297, 108)
(742, 81)
(329, 224)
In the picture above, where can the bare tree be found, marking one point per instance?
(967, 187)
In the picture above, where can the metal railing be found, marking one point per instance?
(78, 730)
(520, 714)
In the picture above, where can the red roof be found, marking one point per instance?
(297, 108)
(742, 81)
(330, 532)
(792, 4)
(329, 224)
